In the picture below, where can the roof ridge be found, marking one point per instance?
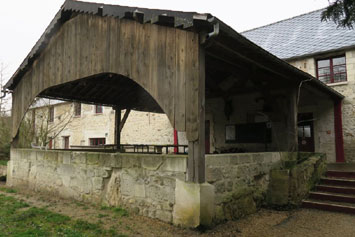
(277, 22)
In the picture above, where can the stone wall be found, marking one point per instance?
(3, 171)
(144, 184)
(152, 185)
(240, 181)
(290, 185)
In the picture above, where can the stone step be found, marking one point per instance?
(335, 189)
(338, 182)
(332, 197)
(341, 166)
(341, 174)
(328, 206)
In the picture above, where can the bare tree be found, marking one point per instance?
(44, 123)
(5, 119)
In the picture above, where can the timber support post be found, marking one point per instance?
(117, 139)
(292, 132)
(196, 155)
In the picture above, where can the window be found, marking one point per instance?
(98, 109)
(51, 114)
(77, 109)
(304, 131)
(230, 133)
(97, 141)
(332, 70)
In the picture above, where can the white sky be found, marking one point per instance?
(22, 22)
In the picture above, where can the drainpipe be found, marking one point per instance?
(176, 142)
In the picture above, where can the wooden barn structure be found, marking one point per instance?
(159, 61)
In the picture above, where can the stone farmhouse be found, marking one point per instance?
(76, 125)
(222, 91)
(328, 53)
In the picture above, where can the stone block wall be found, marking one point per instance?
(289, 186)
(144, 184)
(3, 171)
(240, 181)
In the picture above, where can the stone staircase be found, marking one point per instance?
(336, 191)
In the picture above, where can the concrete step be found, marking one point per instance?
(341, 174)
(334, 197)
(335, 189)
(328, 206)
(338, 182)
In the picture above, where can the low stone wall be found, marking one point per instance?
(290, 184)
(3, 171)
(241, 181)
(155, 186)
(142, 183)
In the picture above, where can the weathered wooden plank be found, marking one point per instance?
(138, 60)
(153, 61)
(40, 74)
(160, 81)
(196, 157)
(60, 56)
(46, 69)
(52, 62)
(170, 68)
(192, 80)
(144, 53)
(180, 81)
(124, 119)
(66, 53)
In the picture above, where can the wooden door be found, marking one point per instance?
(305, 132)
(66, 142)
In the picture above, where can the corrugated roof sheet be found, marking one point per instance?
(301, 35)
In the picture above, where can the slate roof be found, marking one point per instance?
(301, 36)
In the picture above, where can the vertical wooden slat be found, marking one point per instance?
(180, 80)
(60, 57)
(153, 68)
(192, 87)
(169, 92)
(144, 55)
(161, 81)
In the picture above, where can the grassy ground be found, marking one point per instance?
(3, 162)
(17, 218)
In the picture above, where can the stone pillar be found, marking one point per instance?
(194, 204)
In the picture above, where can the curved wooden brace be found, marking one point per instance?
(163, 60)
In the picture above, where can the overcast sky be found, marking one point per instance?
(22, 22)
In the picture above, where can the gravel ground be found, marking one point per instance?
(301, 222)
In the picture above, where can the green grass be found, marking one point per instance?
(18, 219)
(117, 210)
(7, 190)
(3, 162)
